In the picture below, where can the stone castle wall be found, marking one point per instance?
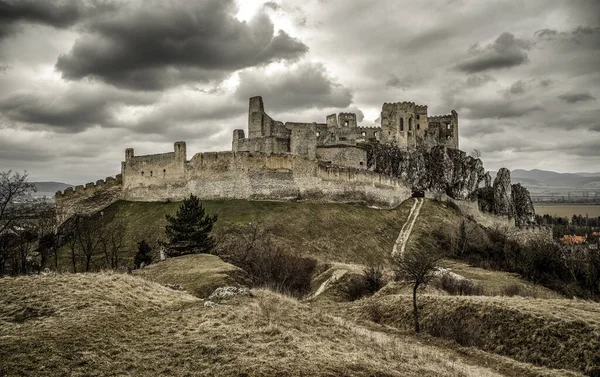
(253, 176)
(236, 175)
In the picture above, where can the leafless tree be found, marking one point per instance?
(417, 267)
(476, 153)
(112, 241)
(13, 187)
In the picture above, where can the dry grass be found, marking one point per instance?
(550, 333)
(495, 282)
(116, 325)
(326, 231)
(199, 274)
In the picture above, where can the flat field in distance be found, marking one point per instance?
(568, 210)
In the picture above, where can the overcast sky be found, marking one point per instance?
(80, 81)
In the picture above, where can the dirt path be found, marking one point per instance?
(407, 228)
(335, 275)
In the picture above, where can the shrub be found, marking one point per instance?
(368, 283)
(143, 256)
(251, 248)
(459, 287)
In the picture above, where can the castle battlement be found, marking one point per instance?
(90, 187)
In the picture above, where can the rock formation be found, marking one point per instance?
(456, 174)
(524, 211)
(439, 169)
(503, 202)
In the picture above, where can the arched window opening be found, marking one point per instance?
(164, 170)
(151, 173)
(363, 133)
(418, 117)
(318, 134)
(410, 124)
(346, 123)
(142, 173)
(418, 126)
(401, 124)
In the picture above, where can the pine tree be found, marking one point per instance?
(188, 232)
(143, 255)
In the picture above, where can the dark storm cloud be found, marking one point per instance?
(167, 117)
(56, 13)
(505, 52)
(72, 111)
(167, 44)
(499, 109)
(475, 81)
(308, 85)
(401, 83)
(576, 97)
(271, 4)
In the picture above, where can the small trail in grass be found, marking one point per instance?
(335, 275)
(407, 228)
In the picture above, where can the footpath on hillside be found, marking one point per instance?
(407, 228)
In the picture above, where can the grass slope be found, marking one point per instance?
(329, 232)
(199, 274)
(550, 333)
(114, 325)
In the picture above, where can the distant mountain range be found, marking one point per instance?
(549, 179)
(49, 188)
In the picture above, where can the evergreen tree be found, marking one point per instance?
(188, 232)
(143, 254)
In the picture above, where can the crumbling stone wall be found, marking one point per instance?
(244, 175)
(345, 156)
(88, 199)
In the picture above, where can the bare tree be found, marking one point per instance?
(417, 267)
(88, 239)
(476, 153)
(112, 241)
(13, 187)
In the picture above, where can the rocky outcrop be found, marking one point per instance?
(439, 169)
(456, 174)
(524, 211)
(503, 200)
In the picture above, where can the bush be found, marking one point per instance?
(459, 287)
(143, 256)
(367, 284)
(251, 248)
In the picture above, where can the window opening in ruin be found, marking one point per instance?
(151, 173)
(343, 139)
(401, 124)
(418, 117)
(448, 126)
(364, 133)
(409, 126)
(346, 123)
(164, 170)
(361, 163)
(448, 137)
(318, 134)
(142, 173)
(418, 126)
(377, 134)
(425, 133)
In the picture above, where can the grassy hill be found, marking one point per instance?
(328, 232)
(101, 324)
(198, 274)
(553, 333)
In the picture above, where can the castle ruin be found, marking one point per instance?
(340, 140)
(277, 161)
